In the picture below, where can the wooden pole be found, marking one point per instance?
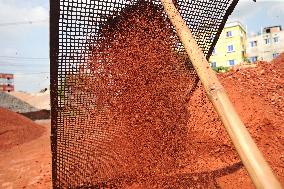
(257, 167)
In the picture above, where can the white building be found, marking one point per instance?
(267, 45)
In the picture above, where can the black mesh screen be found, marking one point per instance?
(84, 149)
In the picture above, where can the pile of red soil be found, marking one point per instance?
(16, 129)
(257, 94)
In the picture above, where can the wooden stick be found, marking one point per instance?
(257, 167)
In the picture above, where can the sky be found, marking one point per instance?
(24, 35)
(259, 14)
(24, 48)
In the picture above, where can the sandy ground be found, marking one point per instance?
(37, 100)
(27, 165)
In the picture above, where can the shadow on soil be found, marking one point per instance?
(206, 179)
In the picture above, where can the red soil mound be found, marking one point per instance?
(258, 95)
(16, 129)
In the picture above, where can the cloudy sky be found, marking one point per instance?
(24, 47)
(24, 43)
(259, 14)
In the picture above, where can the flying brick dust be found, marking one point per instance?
(140, 84)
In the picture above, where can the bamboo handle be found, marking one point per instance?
(257, 167)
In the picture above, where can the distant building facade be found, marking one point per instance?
(6, 82)
(266, 45)
(231, 46)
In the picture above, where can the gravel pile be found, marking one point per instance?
(14, 104)
(40, 100)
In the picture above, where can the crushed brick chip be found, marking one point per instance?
(145, 123)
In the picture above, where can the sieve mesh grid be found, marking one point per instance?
(79, 140)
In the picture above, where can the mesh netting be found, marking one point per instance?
(120, 87)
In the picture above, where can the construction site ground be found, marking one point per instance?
(258, 95)
(28, 165)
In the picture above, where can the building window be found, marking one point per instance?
(231, 62)
(9, 81)
(214, 51)
(275, 55)
(213, 64)
(229, 33)
(267, 41)
(230, 48)
(276, 39)
(253, 59)
(253, 43)
(267, 30)
(212, 38)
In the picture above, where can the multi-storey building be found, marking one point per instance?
(266, 45)
(6, 82)
(231, 46)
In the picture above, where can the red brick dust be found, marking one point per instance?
(16, 129)
(141, 86)
(143, 125)
(144, 84)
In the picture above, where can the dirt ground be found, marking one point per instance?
(27, 165)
